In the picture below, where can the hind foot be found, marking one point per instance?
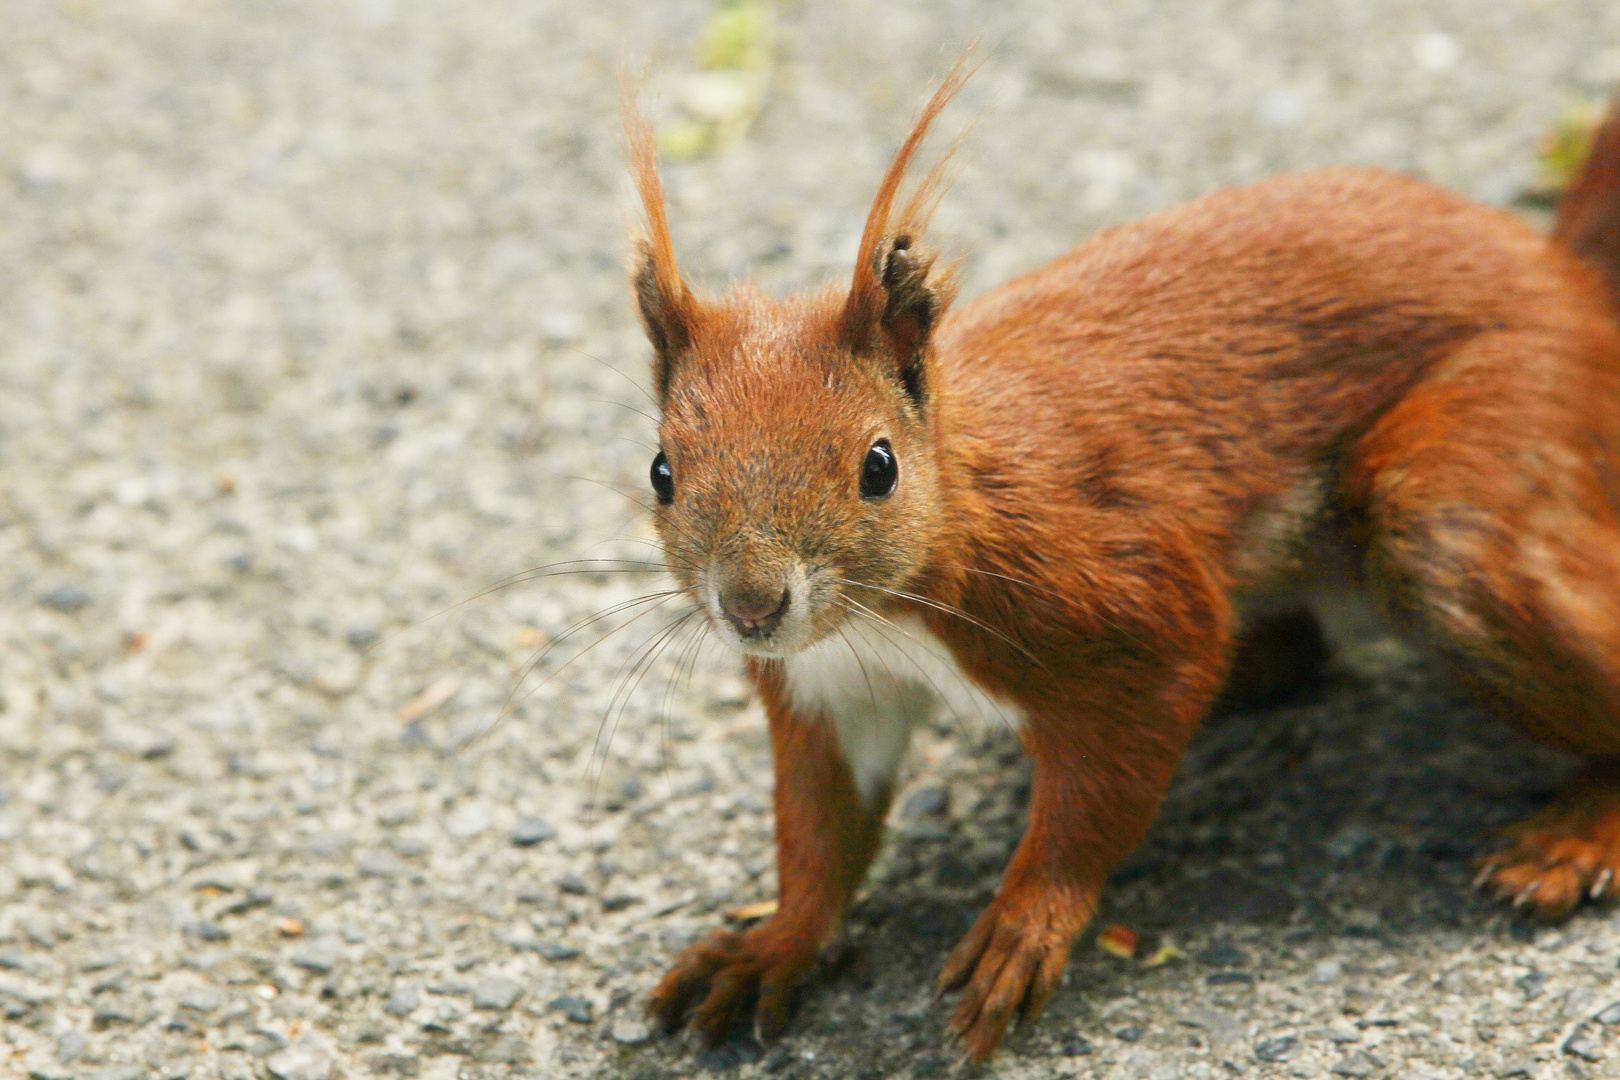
(1565, 853)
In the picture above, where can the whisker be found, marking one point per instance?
(1112, 624)
(642, 390)
(948, 610)
(948, 662)
(510, 705)
(625, 690)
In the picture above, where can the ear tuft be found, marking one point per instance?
(667, 304)
(893, 305)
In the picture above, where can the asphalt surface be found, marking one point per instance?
(313, 326)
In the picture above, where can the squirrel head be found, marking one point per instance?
(797, 480)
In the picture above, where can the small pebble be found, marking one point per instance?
(202, 999)
(730, 1054)
(362, 635)
(1326, 971)
(925, 802)
(66, 598)
(1610, 1015)
(1230, 978)
(1583, 1047)
(495, 992)
(630, 1030)
(317, 956)
(551, 950)
(572, 884)
(404, 1000)
(1532, 984)
(1131, 1034)
(1356, 1064)
(300, 1063)
(1283, 1048)
(577, 1009)
(1074, 1046)
(71, 1045)
(207, 931)
(1222, 954)
(533, 831)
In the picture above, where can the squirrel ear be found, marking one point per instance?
(666, 318)
(912, 305)
(893, 305)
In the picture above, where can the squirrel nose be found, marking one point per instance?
(754, 612)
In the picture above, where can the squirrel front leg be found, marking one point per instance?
(826, 836)
(1101, 768)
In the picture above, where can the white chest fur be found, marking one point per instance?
(874, 682)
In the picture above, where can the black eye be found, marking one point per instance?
(663, 480)
(880, 472)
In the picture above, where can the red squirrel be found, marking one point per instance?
(1074, 500)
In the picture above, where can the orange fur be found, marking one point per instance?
(1100, 464)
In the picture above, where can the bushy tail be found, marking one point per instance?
(1588, 220)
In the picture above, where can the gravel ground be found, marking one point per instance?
(313, 326)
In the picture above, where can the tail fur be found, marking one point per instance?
(1588, 220)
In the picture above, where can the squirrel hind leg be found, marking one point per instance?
(1493, 533)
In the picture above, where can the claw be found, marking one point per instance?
(1485, 873)
(1601, 883)
(1525, 894)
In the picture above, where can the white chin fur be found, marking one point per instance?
(873, 682)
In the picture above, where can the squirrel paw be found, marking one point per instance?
(1007, 966)
(1563, 854)
(713, 983)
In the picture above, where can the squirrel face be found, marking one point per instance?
(797, 483)
(798, 479)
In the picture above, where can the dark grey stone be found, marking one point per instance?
(1282, 1048)
(925, 802)
(533, 831)
(577, 1009)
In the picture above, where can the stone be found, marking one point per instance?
(318, 956)
(532, 831)
(495, 992)
(1610, 1015)
(202, 999)
(67, 599)
(1222, 954)
(1073, 1046)
(1230, 978)
(72, 1043)
(630, 1030)
(1357, 1064)
(1282, 1048)
(301, 1062)
(467, 821)
(1326, 971)
(404, 1000)
(1582, 1047)
(381, 864)
(550, 950)
(737, 1051)
(925, 802)
(577, 1009)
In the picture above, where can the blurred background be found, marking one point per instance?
(313, 326)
